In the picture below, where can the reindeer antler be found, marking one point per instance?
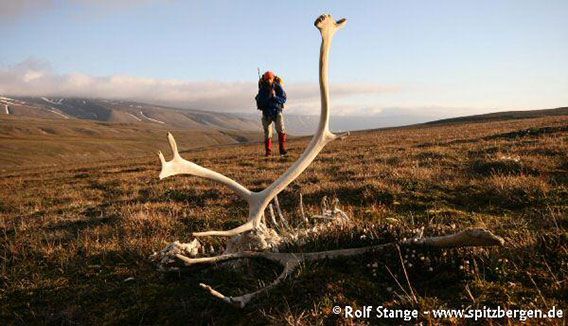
(258, 201)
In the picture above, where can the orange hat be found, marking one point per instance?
(267, 75)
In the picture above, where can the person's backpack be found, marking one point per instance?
(258, 106)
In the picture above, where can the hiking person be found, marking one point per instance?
(270, 100)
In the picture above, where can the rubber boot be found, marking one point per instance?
(282, 137)
(268, 147)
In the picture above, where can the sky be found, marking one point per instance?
(433, 58)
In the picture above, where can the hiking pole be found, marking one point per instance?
(258, 72)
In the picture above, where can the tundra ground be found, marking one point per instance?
(76, 238)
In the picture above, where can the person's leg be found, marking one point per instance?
(282, 137)
(267, 126)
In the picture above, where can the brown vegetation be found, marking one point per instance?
(33, 142)
(76, 238)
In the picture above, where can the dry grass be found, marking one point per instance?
(32, 142)
(71, 235)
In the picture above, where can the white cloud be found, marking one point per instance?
(36, 78)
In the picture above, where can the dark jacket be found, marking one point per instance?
(270, 105)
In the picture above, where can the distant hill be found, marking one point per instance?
(302, 125)
(116, 111)
(306, 125)
(507, 115)
(47, 131)
(26, 142)
(121, 112)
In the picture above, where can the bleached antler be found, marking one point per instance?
(258, 201)
(477, 237)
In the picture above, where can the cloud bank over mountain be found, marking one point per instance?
(37, 78)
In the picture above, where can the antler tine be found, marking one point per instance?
(289, 261)
(242, 300)
(173, 146)
(342, 135)
(162, 159)
(238, 230)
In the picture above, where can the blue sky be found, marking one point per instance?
(443, 57)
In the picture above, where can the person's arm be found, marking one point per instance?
(280, 95)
